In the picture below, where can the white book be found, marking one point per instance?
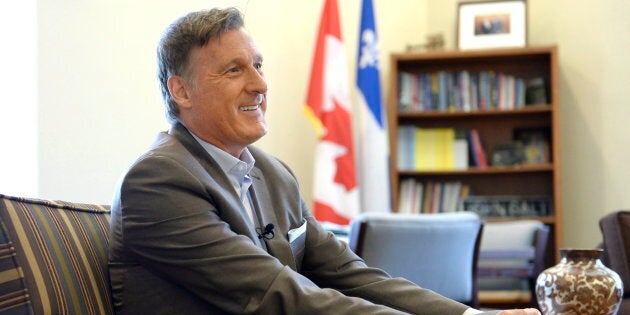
(419, 191)
(460, 150)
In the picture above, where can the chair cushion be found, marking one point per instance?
(511, 235)
(54, 257)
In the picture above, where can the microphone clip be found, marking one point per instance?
(266, 233)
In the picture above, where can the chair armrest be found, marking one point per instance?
(524, 253)
(520, 271)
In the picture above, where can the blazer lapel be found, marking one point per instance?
(236, 215)
(278, 246)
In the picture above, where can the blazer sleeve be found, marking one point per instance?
(173, 226)
(330, 263)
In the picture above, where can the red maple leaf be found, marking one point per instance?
(337, 124)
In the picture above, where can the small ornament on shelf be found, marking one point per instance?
(434, 42)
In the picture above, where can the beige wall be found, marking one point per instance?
(99, 106)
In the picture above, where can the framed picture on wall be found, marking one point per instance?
(491, 24)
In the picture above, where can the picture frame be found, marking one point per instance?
(491, 24)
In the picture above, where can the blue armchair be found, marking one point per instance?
(436, 251)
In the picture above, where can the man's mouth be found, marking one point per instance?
(249, 108)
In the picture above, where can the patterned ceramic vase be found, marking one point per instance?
(580, 284)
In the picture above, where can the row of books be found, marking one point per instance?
(437, 197)
(430, 197)
(444, 91)
(438, 149)
(508, 206)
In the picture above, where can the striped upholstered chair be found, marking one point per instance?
(53, 257)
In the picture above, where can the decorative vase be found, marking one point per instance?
(580, 284)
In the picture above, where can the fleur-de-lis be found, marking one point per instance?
(369, 49)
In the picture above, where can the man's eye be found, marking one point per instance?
(258, 65)
(234, 69)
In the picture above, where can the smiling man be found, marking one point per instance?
(206, 223)
(221, 94)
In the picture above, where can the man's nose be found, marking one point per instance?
(257, 82)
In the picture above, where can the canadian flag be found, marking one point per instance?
(336, 193)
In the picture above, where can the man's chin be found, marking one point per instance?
(259, 134)
(264, 129)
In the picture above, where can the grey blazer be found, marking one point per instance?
(181, 243)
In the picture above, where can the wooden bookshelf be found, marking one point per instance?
(495, 126)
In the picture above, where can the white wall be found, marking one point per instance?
(18, 104)
(99, 101)
(99, 105)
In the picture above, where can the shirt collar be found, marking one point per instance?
(236, 169)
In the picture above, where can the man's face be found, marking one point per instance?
(226, 92)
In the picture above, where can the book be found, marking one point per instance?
(405, 147)
(474, 91)
(519, 93)
(464, 91)
(431, 196)
(418, 199)
(435, 91)
(484, 90)
(405, 94)
(428, 197)
(450, 196)
(436, 198)
(535, 92)
(494, 89)
(509, 206)
(434, 149)
(477, 153)
(460, 150)
(442, 91)
(405, 196)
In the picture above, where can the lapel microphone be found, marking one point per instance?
(266, 233)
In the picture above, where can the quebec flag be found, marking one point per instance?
(373, 149)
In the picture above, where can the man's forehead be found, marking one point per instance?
(233, 41)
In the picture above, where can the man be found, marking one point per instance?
(204, 223)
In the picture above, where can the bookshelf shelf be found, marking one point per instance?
(464, 99)
(484, 171)
(546, 220)
(530, 110)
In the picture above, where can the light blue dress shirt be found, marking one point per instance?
(237, 171)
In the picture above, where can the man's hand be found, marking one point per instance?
(527, 311)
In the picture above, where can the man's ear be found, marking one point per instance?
(180, 90)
